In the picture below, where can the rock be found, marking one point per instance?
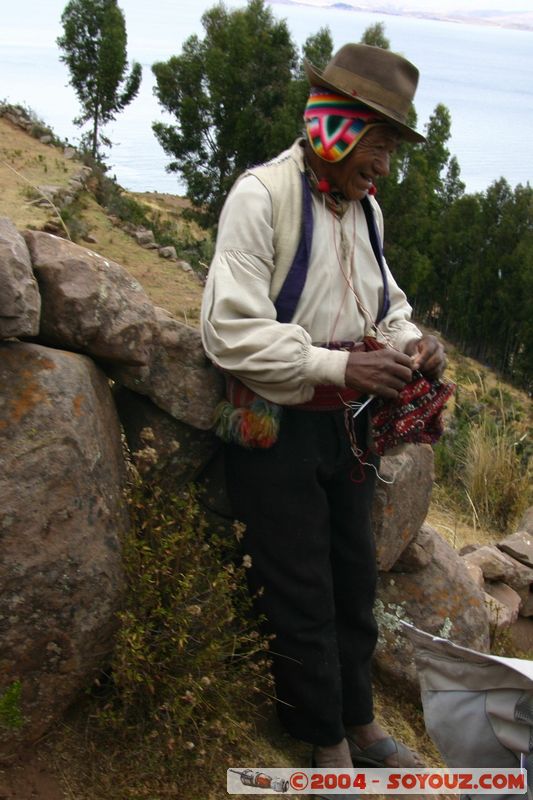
(89, 238)
(13, 118)
(163, 447)
(419, 552)
(213, 492)
(400, 508)
(168, 252)
(69, 152)
(526, 609)
(144, 236)
(526, 523)
(521, 633)
(500, 615)
(179, 378)
(50, 191)
(497, 566)
(46, 139)
(20, 301)
(75, 186)
(506, 596)
(441, 599)
(519, 546)
(54, 226)
(475, 573)
(468, 548)
(61, 519)
(90, 304)
(185, 266)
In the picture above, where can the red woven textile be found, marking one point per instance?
(415, 417)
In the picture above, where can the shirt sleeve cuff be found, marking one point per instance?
(322, 366)
(402, 339)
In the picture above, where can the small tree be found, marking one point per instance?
(94, 49)
(237, 98)
(375, 35)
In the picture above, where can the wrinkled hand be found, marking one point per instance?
(427, 356)
(379, 372)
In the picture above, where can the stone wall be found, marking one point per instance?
(85, 356)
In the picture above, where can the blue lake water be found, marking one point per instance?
(484, 75)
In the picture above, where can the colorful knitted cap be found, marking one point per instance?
(335, 123)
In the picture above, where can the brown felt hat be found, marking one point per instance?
(382, 80)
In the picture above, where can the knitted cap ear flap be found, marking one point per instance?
(335, 124)
(333, 138)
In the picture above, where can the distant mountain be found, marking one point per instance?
(504, 19)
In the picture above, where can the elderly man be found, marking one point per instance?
(297, 283)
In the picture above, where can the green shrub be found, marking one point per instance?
(11, 717)
(189, 668)
(114, 199)
(72, 219)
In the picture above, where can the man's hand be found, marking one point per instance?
(427, 356)
(379, 372)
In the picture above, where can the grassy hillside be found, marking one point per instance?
(74, 763)
(26, 164)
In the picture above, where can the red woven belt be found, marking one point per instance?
(328, 398)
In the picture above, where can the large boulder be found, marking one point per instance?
(521, 634)
(90, 304)
(519, 546)
(20, 302)
(179, 378)
(62, 516)
(506, 597)
(163, 448)
(401, 502)
(498, 566)
(441, 599)
(418, 552)
(527, 605)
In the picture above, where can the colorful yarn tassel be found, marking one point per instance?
(254, 426)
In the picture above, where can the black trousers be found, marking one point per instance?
(306, 505)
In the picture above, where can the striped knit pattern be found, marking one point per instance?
(335, 123)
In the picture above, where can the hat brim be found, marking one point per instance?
(315, 78)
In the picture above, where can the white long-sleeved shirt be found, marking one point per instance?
(283, 362)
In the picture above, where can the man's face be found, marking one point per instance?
(370, 159)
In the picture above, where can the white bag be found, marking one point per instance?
(478, 708)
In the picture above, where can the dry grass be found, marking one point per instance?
(165, 283)
(36, 163)
(494, 481)
(89, 768)
(481, 496)
(454, 525)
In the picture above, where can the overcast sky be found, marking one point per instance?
(34, 21)
(462, 6)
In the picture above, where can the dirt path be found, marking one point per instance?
(30, 778)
